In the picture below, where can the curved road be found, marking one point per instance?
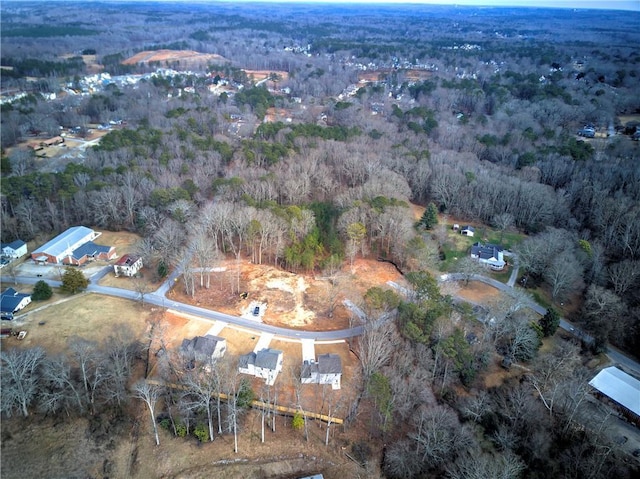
(158, 298)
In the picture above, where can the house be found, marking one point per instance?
(128, 265)
(622, 389)
(11, 302)
(265, 364)
(468, 230)
(326, 370)
(205, 349)
(16, 249)
(488, 254)
(56, 140)
(74, 246)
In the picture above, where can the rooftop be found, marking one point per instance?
(619, 386)
(63, 241)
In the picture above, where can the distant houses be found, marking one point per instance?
(128, 265)
(326, 370)
(265, 364)
(75, 246)
(11, 302)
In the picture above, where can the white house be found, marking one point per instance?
(205, 349)
(488, 254)
(326, 370)
(11, 302)
(468, 230)
(16, 249)
(265, 364)
(128, 265)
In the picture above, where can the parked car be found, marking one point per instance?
(256, 311)
(587, 132)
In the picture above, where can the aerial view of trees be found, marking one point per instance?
(308, 139)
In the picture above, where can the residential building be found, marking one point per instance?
(11, 302)
(265, 364)
(489, 254)
(203, 349)
(16, 249)
(326, 370)
(128, 265)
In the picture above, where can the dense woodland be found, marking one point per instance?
(487, 135)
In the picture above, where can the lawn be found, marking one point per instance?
(457, 246)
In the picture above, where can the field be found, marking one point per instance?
(183, 57)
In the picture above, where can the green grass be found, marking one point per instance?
(540, 298)
(458, 246)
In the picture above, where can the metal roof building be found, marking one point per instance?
(620, 387)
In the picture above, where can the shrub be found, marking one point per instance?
(298, 421)
(181, 430)
(201, 432)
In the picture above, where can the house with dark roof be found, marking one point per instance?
(128, 265)
(326, 370)
(204, 348)
(74, 246)
(489, 254)
(11, 302)
(266, 364)
(16, 249)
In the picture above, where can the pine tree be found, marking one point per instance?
(41, 291)
(430, 217)
(73, 280)
(550, 322)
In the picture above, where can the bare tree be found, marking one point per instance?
(150, 394)
(623, 275)
(469, 267)
(503, 222)
(59, 391)
(20, 379)
(375, 346)
(202, 388)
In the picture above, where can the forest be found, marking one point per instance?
(364, 112)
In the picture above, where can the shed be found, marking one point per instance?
(620, 387)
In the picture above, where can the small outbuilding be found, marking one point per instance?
(468, 230)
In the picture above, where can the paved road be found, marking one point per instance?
(158, 298)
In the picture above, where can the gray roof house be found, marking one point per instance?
(326, 370)
(204, 349)
(488, 254)
(265, 364)
(11, 302)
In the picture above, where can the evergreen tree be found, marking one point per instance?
(550, 322)
(73, 280)
(429, 218)
(41, 291)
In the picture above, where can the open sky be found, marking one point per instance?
(589, 4)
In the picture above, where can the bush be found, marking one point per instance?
(181, 430)
(201, 432)
(298, 421)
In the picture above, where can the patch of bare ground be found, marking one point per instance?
(477, 292)
(292, 300)
(185, 57)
